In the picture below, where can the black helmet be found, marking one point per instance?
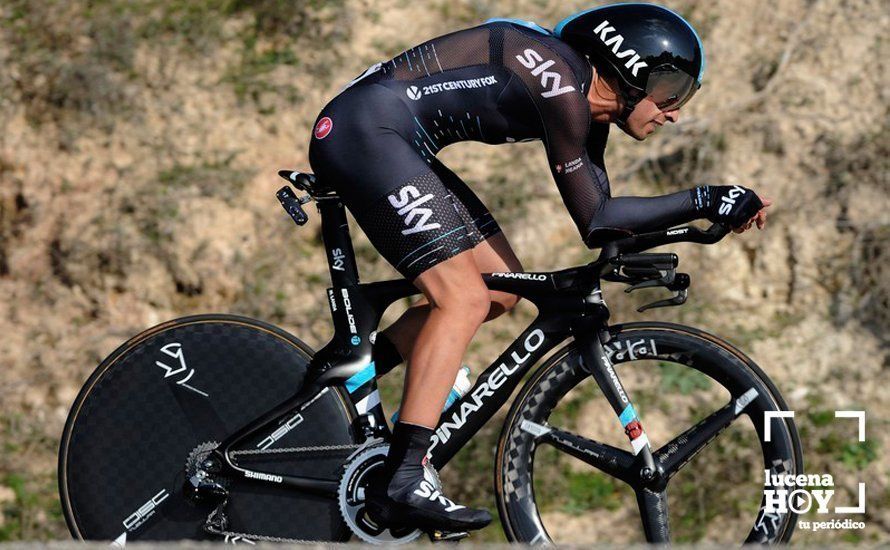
(653, 51)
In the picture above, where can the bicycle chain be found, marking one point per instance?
(255, 537)
(295, 450)
(211, 528)
(210, 524)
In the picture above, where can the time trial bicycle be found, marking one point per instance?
(220, 427)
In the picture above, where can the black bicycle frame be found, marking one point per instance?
(569, 304)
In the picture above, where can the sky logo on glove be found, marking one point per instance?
(728, 200)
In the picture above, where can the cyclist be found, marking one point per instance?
(634, 65)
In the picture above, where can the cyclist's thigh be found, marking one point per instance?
(467, 200)
(386, 181)
(494, 254)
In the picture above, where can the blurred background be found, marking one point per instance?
(138, 157)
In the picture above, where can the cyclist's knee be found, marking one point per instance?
(470, 300)
(456, 289)
(479, 302)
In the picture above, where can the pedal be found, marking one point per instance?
(447, 536)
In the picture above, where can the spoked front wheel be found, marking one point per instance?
(562, 453)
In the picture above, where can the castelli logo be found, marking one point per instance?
(323, 128)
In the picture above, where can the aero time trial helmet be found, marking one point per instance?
(653, 51)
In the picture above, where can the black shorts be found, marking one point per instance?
(415, 211)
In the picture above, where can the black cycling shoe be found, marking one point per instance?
(413, 499)
(407, 492)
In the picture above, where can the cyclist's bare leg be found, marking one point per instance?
(458, 303)
(492, 256)
(495, 255)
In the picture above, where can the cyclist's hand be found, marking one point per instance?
(731, 205)
(759, 219)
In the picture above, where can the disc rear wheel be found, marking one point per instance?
(163, 400)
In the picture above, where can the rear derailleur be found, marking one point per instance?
(203, 483)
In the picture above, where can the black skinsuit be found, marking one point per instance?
(501, 82)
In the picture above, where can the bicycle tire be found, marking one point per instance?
(515, 458)
(167, 391)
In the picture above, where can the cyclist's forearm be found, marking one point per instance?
(631, 215)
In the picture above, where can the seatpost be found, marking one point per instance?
(337, 242)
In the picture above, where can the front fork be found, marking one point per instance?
(591, 338)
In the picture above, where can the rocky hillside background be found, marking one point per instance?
(138, 153)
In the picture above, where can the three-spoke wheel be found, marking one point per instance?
(562, 473)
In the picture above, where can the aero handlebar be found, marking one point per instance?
(645, 241)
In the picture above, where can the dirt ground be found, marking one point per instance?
(137, 179)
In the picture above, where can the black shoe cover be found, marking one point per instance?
(414, 498)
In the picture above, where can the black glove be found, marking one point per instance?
(731, 205)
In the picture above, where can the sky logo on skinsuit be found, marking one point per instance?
(530, 59)
(323, 128)
(409, 203)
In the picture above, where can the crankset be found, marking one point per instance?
(202, 484)
(358, 471)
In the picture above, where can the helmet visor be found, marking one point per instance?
(670, 88)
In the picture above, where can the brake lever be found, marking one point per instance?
(680, 284)
(678, 299)
(666, 279)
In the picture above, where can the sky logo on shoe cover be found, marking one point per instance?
(429, 492)
(323, 128)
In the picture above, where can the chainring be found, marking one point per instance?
(351, 498)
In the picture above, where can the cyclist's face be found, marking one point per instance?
(646, 118)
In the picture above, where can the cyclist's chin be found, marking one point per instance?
(639, 133)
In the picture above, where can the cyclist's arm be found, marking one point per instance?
(584, 186)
